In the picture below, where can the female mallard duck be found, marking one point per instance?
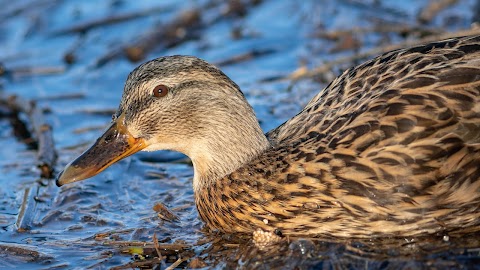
(389, 148)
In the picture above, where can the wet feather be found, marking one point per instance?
(388, 148)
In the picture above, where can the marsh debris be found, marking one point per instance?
(163, 212)
(42, 140)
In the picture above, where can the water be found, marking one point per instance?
(80, 225)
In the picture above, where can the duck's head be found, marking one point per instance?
(178, 103)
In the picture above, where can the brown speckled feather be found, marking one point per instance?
(390, 147)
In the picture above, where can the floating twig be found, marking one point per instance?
(87, 26)
(18, 7)
(20, 129)
(46, 154)
(67, 96)
(157, 246)
(164, 213)
(430, 11)
(26, 252)
(31, 71)
(139, 264)
(174, 247)
(197, 263)
(185, 26)
(373, 52)
(157, 249)
(401, 29)
(245, 56)
(43, 143)
(179, 30)
(176, 263)
(24, 217)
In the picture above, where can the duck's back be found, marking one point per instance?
(390, 147)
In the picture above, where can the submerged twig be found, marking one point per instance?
(174, 247)
(179, 30)
(26, 252)
(157, 249)
(46, 155)
(373, 52)
(184, 26)
(31, 71)
(24, 217)
(139, 264)
(402, 29)
(157, 246)
(245, 56)
(113, 19)
(176, 263)
(20, 129)
(428, 13)
(43, 143)
(67, 96)
(164, 213)
(15, 8)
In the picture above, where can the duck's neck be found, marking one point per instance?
(225, 148)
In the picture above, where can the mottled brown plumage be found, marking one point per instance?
(389, 148)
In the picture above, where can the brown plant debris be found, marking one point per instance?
(180, 29)
(245, 56)
(24, 252)
(430, 11)
(109, 20)
(164, 213)
(31, 71)
(43, 141)
(185, 26)
(328, 66)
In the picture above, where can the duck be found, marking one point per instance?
(390, 148)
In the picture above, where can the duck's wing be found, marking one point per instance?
(401, 74)
(409, 118)
(389, 147)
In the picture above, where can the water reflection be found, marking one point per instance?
(73, 58)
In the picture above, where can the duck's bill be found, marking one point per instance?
(115, 144)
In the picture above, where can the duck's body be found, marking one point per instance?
(390, 148)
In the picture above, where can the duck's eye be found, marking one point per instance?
(160, 90)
